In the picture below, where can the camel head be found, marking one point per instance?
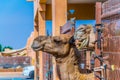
(64, 47)
(60, 45)
(56, 45)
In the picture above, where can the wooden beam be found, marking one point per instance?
(42, 1)
(41, 23)
(35, 24)
(35, 8)
(88, 60)
(98, 21)
(36, 19)
(35, 64)
(42, 7)
(42, 31)
(59, 18)
(59, 15)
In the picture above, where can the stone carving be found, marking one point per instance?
(64, 50)
(11, 53)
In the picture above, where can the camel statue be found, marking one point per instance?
(64, 49)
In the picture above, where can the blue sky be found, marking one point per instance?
(16, 22)
(77, 24)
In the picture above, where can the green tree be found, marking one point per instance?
(0, 48)
(7, 47)
(3, 48)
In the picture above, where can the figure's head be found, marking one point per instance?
(56, 45)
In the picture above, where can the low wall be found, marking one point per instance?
(11, 70)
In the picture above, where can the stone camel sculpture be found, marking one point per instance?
(64, 50)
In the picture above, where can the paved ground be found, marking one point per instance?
(12, 76)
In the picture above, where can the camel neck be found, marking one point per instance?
(70, 58)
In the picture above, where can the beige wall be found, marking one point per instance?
(30, 52)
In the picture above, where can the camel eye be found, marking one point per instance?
(57, 41)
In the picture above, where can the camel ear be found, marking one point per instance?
(72, 40)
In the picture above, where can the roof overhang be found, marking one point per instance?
(82, 8)
(69, 1)
(78, 1)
